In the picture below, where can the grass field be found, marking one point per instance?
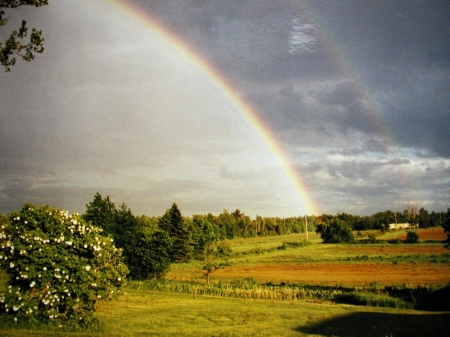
(144, 312)
(331, 264)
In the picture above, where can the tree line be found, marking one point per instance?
(59, 264)
(151, 243)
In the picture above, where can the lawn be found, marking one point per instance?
(148, 313)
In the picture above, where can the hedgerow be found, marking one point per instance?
(58, 266)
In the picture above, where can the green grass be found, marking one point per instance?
(150, 313)
(193, 309)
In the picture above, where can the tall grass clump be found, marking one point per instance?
(243, 290)
(295, 244)
(373, 300)
(424, 297)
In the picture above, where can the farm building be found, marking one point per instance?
(401, 226)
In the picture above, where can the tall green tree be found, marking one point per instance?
(16, 44)
(101, 212)
(151, 258)
(209, 248)
(335, 231)
(144, 253)
(173, 224)
(424, 218)
(227, 224)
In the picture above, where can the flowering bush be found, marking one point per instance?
(58, 265)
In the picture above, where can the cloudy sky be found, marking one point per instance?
(355, 93)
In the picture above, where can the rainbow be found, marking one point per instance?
(230, 94)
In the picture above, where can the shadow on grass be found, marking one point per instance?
(374, 324)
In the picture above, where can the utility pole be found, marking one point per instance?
(306, 225)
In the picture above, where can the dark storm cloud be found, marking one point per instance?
(355, 91)
(16, 193)
(399, 50)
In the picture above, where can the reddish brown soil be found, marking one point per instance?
(350, 274)
(428, 234)
(389, 249)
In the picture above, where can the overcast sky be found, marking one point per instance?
(357, 93)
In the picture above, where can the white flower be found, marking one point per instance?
(69, 243)
(87, 268)
(45, 268)
(16, 308)
(11, 265)
(32, 284)
(119, 279)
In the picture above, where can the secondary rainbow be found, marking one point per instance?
(227, 90)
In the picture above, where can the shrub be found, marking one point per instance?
(294, 244)
(395, 241)
(58, 266)
(372, 238)
(412, 237)
(373, 300)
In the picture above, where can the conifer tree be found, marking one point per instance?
(172, 223)
(145, 255)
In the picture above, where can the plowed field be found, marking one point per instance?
(429, 234)
(350, 274)
(400, 249)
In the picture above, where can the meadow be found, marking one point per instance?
(285, 286)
